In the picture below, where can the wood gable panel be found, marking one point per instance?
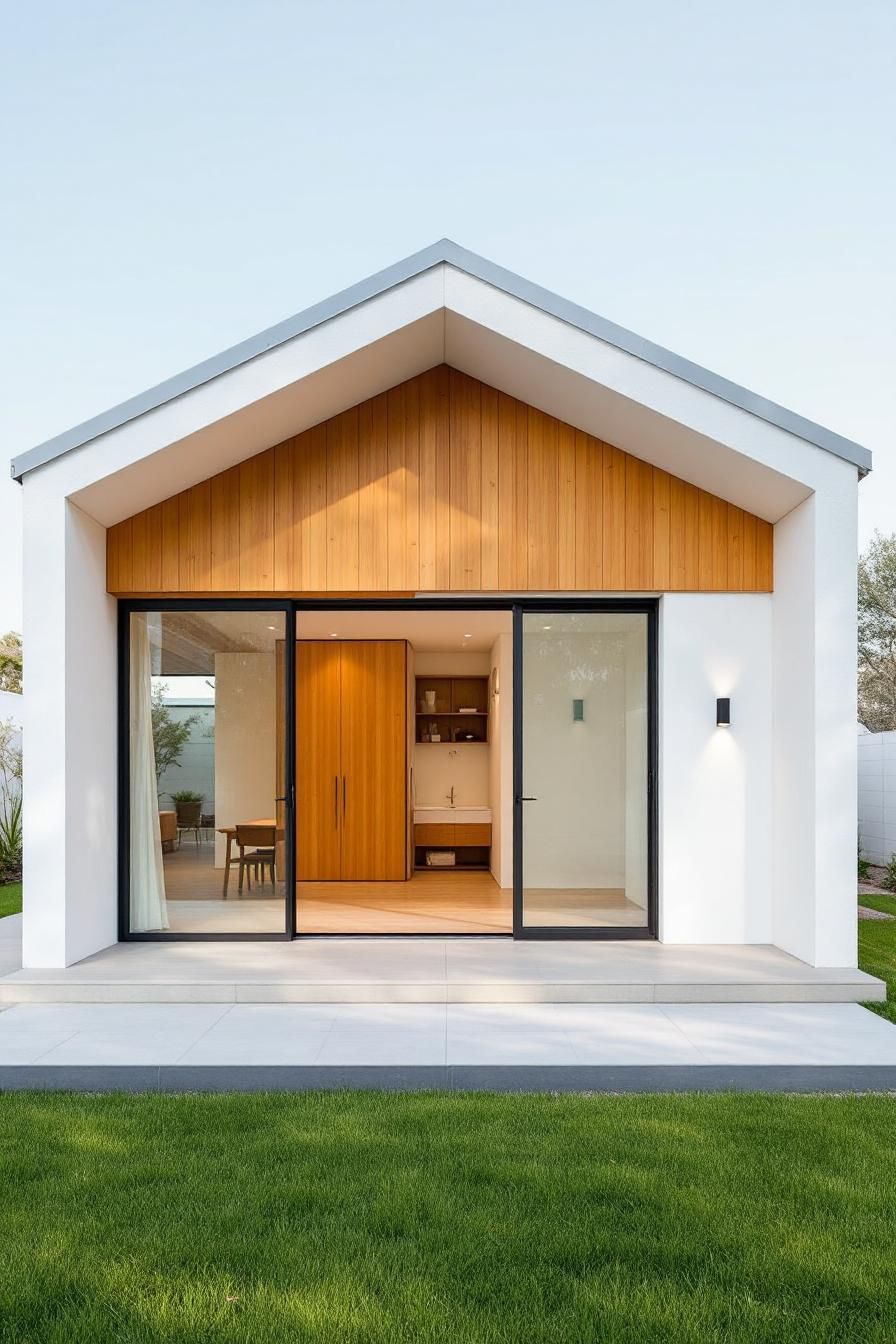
(441, 484)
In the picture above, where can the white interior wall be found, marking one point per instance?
(501, 760)
(715, 784)
(440, 765)
(575, 833)
(245, 740)
(636, 747)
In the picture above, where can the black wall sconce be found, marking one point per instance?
(578, 711)
(723, 712)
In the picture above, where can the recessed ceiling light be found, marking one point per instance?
(545, 627)
(468, 636)
(334, 634)
(272, 627)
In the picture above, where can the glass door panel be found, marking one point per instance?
(585, 751)
(207, 800)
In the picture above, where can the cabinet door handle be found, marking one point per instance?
(343, 797)
(336, 801)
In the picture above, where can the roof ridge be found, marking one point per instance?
(443, 252)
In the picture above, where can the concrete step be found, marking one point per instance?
(439, 970)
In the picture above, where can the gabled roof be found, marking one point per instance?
(444, 252)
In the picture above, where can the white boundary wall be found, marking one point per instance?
(877, 796)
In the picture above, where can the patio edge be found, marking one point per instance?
(174, 1078)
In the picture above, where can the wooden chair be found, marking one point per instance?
(256, 845)
(189, 816)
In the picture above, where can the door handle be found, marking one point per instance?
(527, 800)
(343, 797)
(336, 801)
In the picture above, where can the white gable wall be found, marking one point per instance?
(790, 878)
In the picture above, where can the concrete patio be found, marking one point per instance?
(446, 1013)
(556, 1047)
(437, 970)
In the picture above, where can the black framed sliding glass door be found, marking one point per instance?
(585, 745)
(206, 769)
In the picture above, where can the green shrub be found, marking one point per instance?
(864, 869)
(889, 878)
(186, 796)
(10, 837)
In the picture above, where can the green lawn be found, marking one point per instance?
(10, 898)
(431, 1217)
(877, 950)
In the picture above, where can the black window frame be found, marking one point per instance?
(291, 608)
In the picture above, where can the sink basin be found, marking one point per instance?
(455, 814)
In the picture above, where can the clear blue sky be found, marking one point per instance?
(719, 178)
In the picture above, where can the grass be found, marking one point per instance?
(10, 898)
(435, 1217)
(877, 949)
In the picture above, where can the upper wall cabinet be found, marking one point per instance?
(440, 485)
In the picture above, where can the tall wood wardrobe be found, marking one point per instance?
(351, 760)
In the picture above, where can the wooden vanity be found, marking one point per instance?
(471, 842)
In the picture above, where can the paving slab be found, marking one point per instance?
(555, 1046)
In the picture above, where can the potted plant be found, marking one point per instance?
(188, 806)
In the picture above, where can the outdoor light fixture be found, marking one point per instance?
(578, 711)
(723, 712)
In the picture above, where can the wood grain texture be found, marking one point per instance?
(441, 484)
(318, 761)
(373, 744)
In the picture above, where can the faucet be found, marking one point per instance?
(450, 796)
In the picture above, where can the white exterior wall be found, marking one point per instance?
(70, 815)
(877, 796)
(715, 784)
(800, 895)
(757, 823)
(814, 678)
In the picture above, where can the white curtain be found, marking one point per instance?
(149, 910)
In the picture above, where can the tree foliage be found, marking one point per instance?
(11, 662)
(877, 634)
(169, 735)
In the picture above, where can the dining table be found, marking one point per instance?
(230, 833)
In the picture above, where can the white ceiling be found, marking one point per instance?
(428, 631)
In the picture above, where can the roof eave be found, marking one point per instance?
(444, 252)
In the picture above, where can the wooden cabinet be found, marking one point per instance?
(318, 761)
(452, 833)
(351, 760)
(471, 842)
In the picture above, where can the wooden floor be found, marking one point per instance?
(429, 903)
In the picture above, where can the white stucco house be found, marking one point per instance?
(471, 573)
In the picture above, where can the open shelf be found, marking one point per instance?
(449, 696)
(468, 859)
